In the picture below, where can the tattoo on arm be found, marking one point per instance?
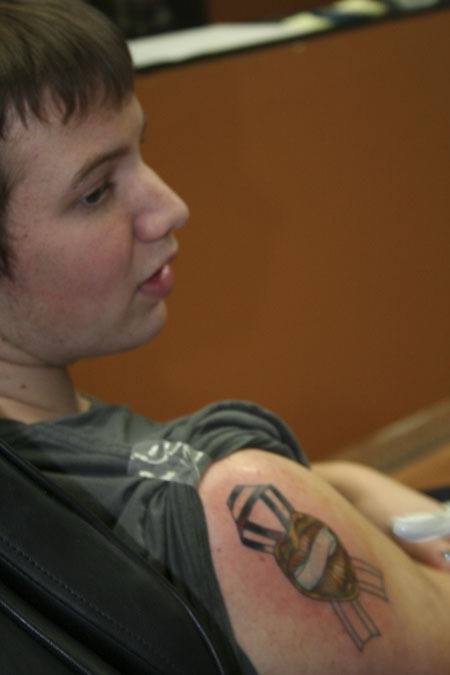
(311, 556)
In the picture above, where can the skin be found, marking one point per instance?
(362, 487)
(82, 253)
(285, 633)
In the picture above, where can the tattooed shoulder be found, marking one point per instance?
(310, 555)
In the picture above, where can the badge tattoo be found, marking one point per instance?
(310, 555)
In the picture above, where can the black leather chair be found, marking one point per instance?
(75, 599)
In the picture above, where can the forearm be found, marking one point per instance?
(362, 485)
(380, 499)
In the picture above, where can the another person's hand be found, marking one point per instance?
(381, 499)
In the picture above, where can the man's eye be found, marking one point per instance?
(96, 196)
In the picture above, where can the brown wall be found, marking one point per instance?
(314, 276)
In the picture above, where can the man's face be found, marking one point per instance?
(90, 223)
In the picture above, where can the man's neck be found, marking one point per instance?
(37, 393)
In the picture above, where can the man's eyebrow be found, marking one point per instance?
(93, 164)
(104, 158)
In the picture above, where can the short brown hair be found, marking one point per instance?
(62, 48)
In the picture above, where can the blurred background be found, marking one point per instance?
(148, 17)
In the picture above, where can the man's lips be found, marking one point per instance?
(161, 282)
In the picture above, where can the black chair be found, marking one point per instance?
(75, 599)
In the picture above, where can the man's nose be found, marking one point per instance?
(160, 209)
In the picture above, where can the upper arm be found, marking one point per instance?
(308, 583)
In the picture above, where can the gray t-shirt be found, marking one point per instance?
(140, 476)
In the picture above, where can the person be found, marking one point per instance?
(223, 500)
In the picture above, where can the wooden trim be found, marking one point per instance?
(416, 439)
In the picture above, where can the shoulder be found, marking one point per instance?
(248, 499)
(308, 584)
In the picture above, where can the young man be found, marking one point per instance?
(222, 500)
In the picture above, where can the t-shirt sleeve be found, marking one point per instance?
(225, 427)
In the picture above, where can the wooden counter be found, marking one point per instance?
(415, 449)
